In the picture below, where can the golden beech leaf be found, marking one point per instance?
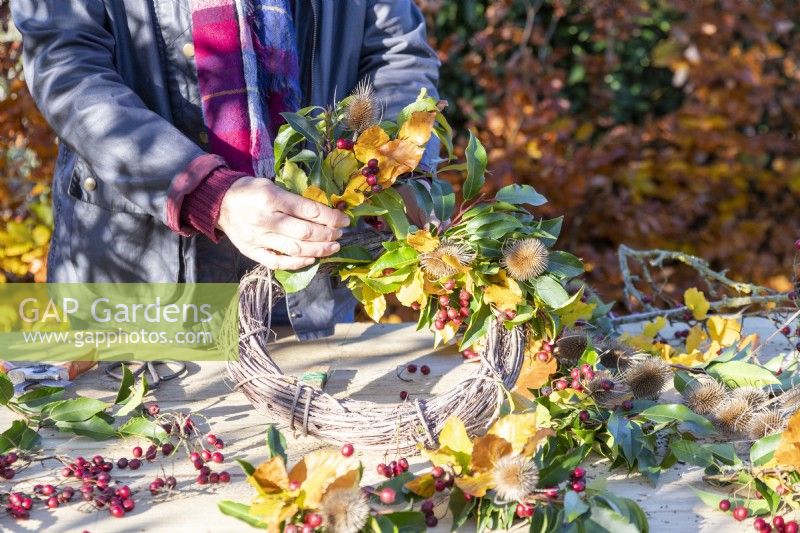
(395, 158)
(577, 310)
(503, 292)
(696, 338)
(367, 144)
(534, 374)
(533, 443)
(515, 429)
(651, 329)
(422, 241)
(487, 450)
(725, 331)
(268, 508)
(270, 476)
(447, 333)
(320, 470)
(476, 485)
(696, 301)
(313, 192)
(418, 128)
(751, 340)
(353, 194)
(454, 436)
(374, 303)
(412, 290)
(423, 486)
(788, 452)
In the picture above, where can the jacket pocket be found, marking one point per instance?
(83, 185)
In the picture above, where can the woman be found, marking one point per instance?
(166, 111)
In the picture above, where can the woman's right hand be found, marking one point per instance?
(277, 228)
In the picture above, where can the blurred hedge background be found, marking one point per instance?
(654, 123)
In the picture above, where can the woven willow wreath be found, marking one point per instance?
(480, 273)
(285, 399)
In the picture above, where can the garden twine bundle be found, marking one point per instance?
(300, 406)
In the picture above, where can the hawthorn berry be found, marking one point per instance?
(790, 527)
(116, 511)
(213, 477)
(579, 486)
(123, 492)
(403, 464)
(347, 450)
(387, 495)
(431, 520)
(52, 502)
(425, 369)
(153, 409)
(167, 448)
(449, 285)
(217, 457)
(224, 477)
(137, 452)
(778, 522)
(372, 163)
(128, 504)
(134, 464)
(377, 187)
(760, 524)
(403, 395)
(412, 368)
(381, 468)
(205, 455)
(740, 513)
(627, 405)
(444, 300)
(122, 463)
(437, 472)
(313, 519)
(584, 416)
(560, 384)
(524, 510)
(372, 180)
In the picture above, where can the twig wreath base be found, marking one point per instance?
(300, 406)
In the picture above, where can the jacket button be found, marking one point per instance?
(296, 314)
(188, 50)
(203, 136)
(90, 184)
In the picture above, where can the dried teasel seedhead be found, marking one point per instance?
(441, 262)
(525, 259)
(362, 108)
(764, 423)
(570, 346)
(755, 397)
(605, 390)
(615, 355)
(647, 377)
(515, 477)
(344, 510)
(705, 396)
(733, 415)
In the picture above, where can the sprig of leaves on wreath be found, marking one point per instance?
(47, 407)
(481, 259)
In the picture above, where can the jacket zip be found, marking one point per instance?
(314, 37)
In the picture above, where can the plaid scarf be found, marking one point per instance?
(247, 70)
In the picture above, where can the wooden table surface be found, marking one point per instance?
(361, 359)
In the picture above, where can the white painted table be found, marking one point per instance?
(361, 359)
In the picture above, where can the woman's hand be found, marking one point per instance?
(277, 228)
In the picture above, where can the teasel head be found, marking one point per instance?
(344, 510)
(733, 415)
(766, 422)
(362, 108)
(438, 263)
(525, 259)
(615, 355)
(569, 347)
(755, 397)
(515, 477)
(606, 390)
(647, 377)
(705, 396)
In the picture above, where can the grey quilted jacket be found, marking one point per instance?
(117, 82)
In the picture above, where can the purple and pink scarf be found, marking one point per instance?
(247, 69)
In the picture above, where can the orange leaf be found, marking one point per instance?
(418, 128)
(534, 374)
(487, 450)
(423, 486)
(788, 452)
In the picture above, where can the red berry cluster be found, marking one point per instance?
(787, 332)
(578, 375)
(394, 468)
(201, 459)
(524, 510)
(454, 314)
(6, 470)
(370, 172)
(427, 510)
(444, 479)
(344, 144)
(578, 479)
(311, 521)
(779, 523)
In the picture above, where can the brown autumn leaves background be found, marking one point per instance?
(658, 124)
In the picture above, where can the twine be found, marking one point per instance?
(476, 399)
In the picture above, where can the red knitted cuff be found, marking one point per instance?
(200, 209)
